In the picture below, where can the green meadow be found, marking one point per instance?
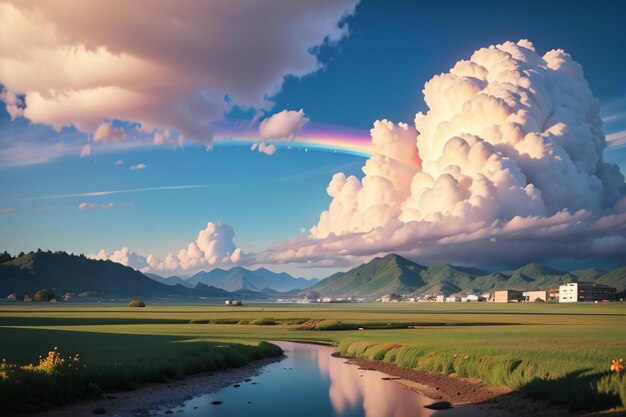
(557, 352)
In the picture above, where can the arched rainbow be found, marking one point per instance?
(326, 138)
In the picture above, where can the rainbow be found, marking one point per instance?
(319, 137)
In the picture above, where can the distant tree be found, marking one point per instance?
(136, 303)
(44, 295)
(21, 254)
(5, 257)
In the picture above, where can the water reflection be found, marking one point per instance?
(310, 382)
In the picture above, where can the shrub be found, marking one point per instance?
(335, 325)
(136, 303)
(44, 295)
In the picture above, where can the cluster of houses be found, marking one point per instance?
(27, 298)
(567, 293)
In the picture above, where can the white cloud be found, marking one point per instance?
(14, 104)
(108, 133)
(213, 247)
(268, 149)
(94, 206)
(85, 151)
(87, 206)
(123, 256)
(119, 162)
(124, 61)
(507, 167)
(283, 125)
(138, 167)
(616, 139)
(110, 192)
(7, 211)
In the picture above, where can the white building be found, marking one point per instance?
(585, 291)
(440, 298)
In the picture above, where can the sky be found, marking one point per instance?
(196, 136)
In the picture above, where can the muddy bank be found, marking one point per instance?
(471, 397)
(153, 396)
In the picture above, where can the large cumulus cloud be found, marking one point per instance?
(507, 167)
(213, 247)
(165, 65)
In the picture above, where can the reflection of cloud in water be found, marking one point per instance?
(379, 398)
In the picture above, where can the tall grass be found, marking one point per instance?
(33, 387)
(542, 374)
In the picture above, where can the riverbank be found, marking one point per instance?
(471, 397)
(141, 401)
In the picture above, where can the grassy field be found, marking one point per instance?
(558, 352)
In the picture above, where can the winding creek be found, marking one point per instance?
(308, 382)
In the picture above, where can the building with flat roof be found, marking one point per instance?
(532, 296)
(508, 296)
(576, 292)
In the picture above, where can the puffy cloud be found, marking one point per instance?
(125, 61)
(138, 167)
(85, 151)
(108, 133)
(268, 149)
(165, 136)
(213, 247)
(123, 256)
(283, 125)
(13, 103)
(507, 167)
(119, 162)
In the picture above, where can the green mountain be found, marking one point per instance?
(64, 273)
(391, 274)
(616, 278)
(395, 274)
(261, 280)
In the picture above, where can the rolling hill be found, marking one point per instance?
(239, 278)
(395, 274)
(63, 273)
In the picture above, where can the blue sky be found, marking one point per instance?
(377, 71)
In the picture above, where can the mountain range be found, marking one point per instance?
(395, 274)
(63, 273)
(239, 278)
(261, 279)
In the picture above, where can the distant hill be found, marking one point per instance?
(395, 274)
(173, 280)
(261, 280)
(63, 273)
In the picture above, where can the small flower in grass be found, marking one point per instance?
(617, 366)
